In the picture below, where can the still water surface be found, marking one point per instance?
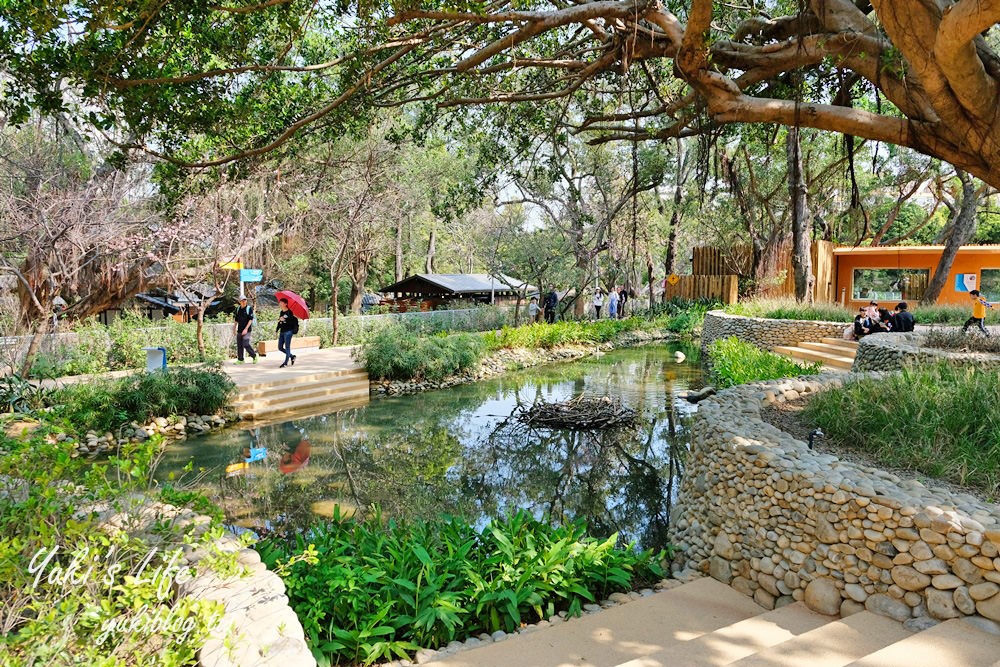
(462, 451)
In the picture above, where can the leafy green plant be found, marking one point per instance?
(371, 590)
(131, 332)
(18, 394)
(394, 354)
(107, 404)
(940, 419)
(734, 362)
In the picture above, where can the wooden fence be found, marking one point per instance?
(722, 287)
(709, 261)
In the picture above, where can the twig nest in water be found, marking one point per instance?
(578, 414)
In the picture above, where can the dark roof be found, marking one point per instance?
(455, 283)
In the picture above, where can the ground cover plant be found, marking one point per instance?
(393, 353)
(939, 419)
(105, 405)
(368, 590)
(950, 339)
(103, 612)
(560, 333)
(789, 309)
(733, 361)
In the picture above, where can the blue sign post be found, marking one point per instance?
(251, 275)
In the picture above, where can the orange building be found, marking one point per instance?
(901, 273)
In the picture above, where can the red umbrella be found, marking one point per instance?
(296, 303)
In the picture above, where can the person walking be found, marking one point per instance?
(622, 298)
(979, 306)
(534, 311)
(242, 329)
(598, 302)
(613, 303)
(551, 301)
(288, 326)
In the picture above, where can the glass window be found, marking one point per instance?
(989, 284)
(889, 284)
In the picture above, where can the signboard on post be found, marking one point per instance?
(232, 266)
(965, 282)
(251, 275)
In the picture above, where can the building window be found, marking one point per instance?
(989, 284)
(889, 284)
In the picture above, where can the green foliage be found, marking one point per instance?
(734, 362)
(369, 590)
(559, 333)
(86, 619)
(131, 332)
(106, 405)
(940, 419)
(950, 339)
(20, 395)
(393, 353)
(88, 355)
(789, 309)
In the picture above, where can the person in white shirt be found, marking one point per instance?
(598, 302)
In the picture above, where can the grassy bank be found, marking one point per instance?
(941, 420)
(733, 361)
(789, 309)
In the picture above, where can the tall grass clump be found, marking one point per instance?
(107, 405)
(734, 362)
(790, 309)
(940, 419)
(950, 314)
(368, 591)
(560, 333)
(393, 353)
(951, 339)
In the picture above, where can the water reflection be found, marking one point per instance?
(462, 451)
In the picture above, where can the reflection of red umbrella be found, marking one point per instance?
(297, 459)
(296, 303)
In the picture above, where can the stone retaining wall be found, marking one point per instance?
(892, 351)
(779, 522)
(766, 333)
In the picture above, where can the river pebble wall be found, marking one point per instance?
(765, 333)
(760, 511)
(892, 351)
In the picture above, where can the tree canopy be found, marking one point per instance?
(206, 83)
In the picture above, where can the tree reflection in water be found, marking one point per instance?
(461, 451)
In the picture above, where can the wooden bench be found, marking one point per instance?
(298, 343)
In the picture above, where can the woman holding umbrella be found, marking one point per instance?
(293, 308)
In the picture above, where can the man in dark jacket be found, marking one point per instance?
(902, 318)
(551, 301)
(244, 324)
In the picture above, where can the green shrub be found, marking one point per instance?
(108, 404)
(951, 339)
(940, 419)
(131, 332)
(369, 590)
(734, 362)
(393, 353)
(950, 314)
(84, 619)
(20, 395)
(560, 333)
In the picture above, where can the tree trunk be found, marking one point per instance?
(801, 257)
(649, 272)
(962, 231)
(202, 307)
(29, 356)
(334, 297)
(399, 248)
(359, 276)
(429, 262)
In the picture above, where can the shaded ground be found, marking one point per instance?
(789, 417)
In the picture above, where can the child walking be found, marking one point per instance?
(979, 306)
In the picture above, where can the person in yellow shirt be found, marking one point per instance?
(979, 306)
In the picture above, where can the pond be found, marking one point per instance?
(463, 451)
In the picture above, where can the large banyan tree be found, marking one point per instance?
(205, 82)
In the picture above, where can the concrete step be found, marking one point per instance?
(836, 644)
(832, 360)
(830, 348)
(308, 407)
(614, 636)
(841, 341)
(738, 640)
(954, 643)
(297, 377)
(332, 387)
